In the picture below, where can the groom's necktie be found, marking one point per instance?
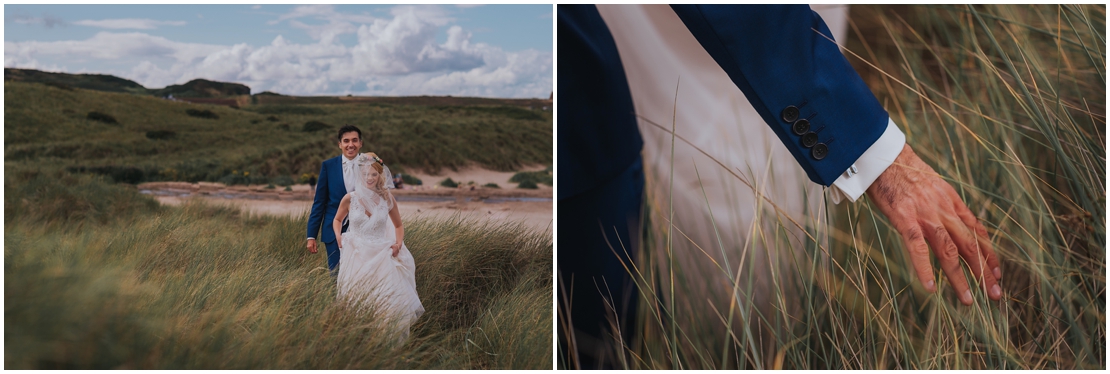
(350, 173)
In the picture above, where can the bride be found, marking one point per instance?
(376, 269)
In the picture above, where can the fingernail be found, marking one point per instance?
(997, 273)
(996, 291)
(931, 286)
(967, 297)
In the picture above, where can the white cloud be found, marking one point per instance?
(526, 73)
(128, 23)
(327, 33)
(393, 56)
(324, 13)
(256, 7)
(110, 46)
(406, 44)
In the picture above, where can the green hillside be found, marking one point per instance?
(110, 83)
(155, 139)
(203, 88)
(99, 82)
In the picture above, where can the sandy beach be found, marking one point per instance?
(532, 207)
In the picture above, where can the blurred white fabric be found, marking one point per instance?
(657, 51)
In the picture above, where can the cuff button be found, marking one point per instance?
(820, 151)
(800, 127)
(790, 114)
(809, 139)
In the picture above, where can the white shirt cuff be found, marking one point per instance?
(873, 162)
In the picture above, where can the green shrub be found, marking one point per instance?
(169, 174)
(411, 180)
(59, 85)
(491, 185)
(534, 177)
(529, 184)
(161, 134)
(119, 174)
(98, 116)
(272, 119)
(202, 113)
(448, 183)
(312, 126)
(237, 177)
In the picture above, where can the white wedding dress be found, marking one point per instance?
(369, 275)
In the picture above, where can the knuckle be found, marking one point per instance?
(948, 254)
(920, 250)
(946, 250)
(979, 229)
(914, 234)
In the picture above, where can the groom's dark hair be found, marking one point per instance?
(347, 129)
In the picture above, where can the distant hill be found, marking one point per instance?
(199, 88)
(203, 91)
(98, 82)
(204, 88)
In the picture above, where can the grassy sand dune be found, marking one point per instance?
(98, 276)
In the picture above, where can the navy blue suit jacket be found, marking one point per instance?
(775, 54)
(329, 192)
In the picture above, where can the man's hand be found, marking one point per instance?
(923, 207)
(311, 245)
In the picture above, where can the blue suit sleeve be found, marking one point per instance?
(779, 56)
(319, 204)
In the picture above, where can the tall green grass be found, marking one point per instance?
(98, 276)
(1006, 103)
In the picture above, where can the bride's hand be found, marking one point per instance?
(339, 242)
(396, 248)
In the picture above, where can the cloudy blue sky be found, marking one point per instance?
(466, 50)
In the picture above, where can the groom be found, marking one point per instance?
(338, 176)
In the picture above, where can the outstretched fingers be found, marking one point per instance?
(915, 244)
(981, 236)
(972, 253)
(948, 255)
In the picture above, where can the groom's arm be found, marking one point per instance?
(780, 57)
(783, 59)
